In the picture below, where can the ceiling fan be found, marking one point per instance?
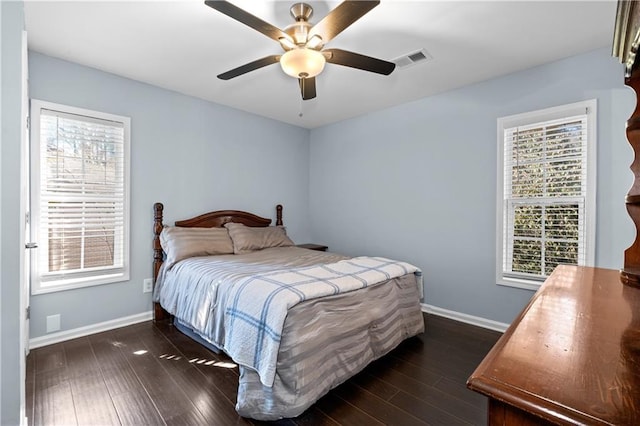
(303, 42)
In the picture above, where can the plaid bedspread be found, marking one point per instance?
(258, 305)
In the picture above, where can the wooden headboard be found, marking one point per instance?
(215, 219)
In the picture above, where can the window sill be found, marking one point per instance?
(72, 284)
(520, 283)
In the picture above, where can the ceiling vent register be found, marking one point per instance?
(413, 58)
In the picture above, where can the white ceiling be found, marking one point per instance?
(183, 45)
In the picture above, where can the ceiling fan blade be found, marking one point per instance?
(341, 17)
(356, 60)
(307, 88)
(251, 66)
(248, 19)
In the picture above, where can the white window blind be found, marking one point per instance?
(546, 195)
(80, 204)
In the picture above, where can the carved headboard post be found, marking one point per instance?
(279, 215)
(158, 313)
(157, 248)
(626, 42)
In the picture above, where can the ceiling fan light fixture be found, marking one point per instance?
(302, 63)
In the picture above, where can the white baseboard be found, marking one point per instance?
(469, 319)
(62, 336)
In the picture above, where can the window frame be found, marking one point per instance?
(588, 107)
(77, 279)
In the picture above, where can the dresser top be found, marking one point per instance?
(573, 354)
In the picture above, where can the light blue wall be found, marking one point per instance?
(192, 155)
(418, 181)
(414, 182)
(12, 17)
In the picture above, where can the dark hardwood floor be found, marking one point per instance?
(151, 374)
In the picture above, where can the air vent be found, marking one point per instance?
(413, 58)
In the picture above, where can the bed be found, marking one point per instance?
(329, 315)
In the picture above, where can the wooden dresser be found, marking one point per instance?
(571, 357)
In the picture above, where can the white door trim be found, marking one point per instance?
(24, 231)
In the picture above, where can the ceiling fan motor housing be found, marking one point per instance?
(299, 31)
(301, 11)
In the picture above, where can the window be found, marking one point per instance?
(80, 197)
(546, 192)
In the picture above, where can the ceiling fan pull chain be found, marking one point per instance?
(301, 103)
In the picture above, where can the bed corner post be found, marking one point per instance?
(157, 248)
(158, 312)
(279, 215)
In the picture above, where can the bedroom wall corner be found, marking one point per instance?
(192, 155)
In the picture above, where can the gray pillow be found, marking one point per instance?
(180, 243)
(247, 239)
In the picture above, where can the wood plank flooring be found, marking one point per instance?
(151, 374)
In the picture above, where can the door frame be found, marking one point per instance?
(25, 229)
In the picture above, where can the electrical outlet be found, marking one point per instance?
(53, 323)
(147, 285)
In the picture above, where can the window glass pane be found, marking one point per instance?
(527, 180)
(98, 246)
(64, 248)
(564, 178)
(564, 140)
(562, 222)
(560, 252)
(527, 256)
(527, 221)
(527, 145)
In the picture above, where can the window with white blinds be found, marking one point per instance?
(546, 189)
(80, 197)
